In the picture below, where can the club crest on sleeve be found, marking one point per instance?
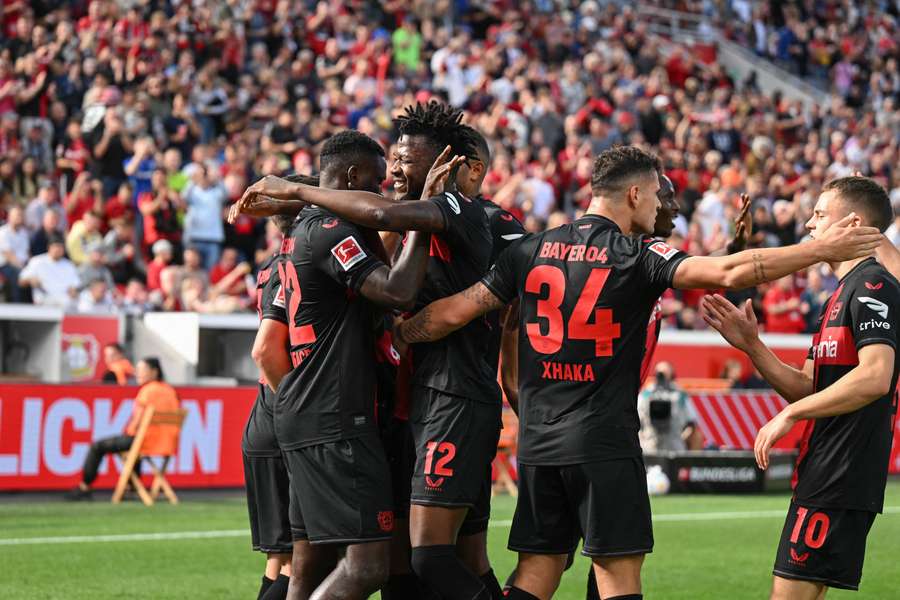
(453, 202)
(663, 249)
(875, 286)
(331, 224)
(348, 252)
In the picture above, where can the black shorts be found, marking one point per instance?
(268, 500)
(824, 545)
(259, 432)
(401, 456)
(604, 502)
(340, 492)
(456, 441)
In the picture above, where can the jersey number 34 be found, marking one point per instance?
(551, 281)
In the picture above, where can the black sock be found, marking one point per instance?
(442, 571)
(592, 593)
(493, 586)
(278, 589)
(404, 586)
(514, 593)
(627, 597)
(264, 587)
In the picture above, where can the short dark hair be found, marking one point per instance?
(343, 149)
(154, 364)
(117, 347)
(865, 197)
(440, 124)
(479, 143)
(614, 167)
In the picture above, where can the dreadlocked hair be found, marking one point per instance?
(440, 124)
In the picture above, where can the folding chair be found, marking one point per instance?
(506, 449)
(164, 429)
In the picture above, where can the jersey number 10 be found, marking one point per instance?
(602, 331)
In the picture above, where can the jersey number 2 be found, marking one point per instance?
(300, 334)
(602, 331)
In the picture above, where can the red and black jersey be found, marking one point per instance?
(653, 330)
(844, 459)
(505, 229)
(587, 292)
(330, 394)
(266, 291)
(460, 256)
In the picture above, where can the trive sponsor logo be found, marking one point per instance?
(873, 324)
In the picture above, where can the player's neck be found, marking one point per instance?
(842, 268)
(621, 216)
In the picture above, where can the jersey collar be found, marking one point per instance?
(867, 261)
(601, 219)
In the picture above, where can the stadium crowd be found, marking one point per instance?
(128, 128)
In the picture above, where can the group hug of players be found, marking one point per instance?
(368, 452)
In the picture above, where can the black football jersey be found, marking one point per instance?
(459, 258)
(330, 394)
(844, 459)
(587, 292)
(505, 229)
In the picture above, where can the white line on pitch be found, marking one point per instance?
(126, 537)
(226, 533)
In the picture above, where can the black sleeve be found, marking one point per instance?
(505, 230)
(873, 312)
(503, 278)
(339, 250)
(460, 213)
(658, 262)
(272, 300)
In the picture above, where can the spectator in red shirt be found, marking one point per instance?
(162, 257)
(81, 199)
(159, 207)
(227, 263)
(781, 305)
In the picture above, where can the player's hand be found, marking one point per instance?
(842, 241)
(273, 187)
(439, 172)
(399, 346)
(737, 325)
(743, 225)
(771, 432)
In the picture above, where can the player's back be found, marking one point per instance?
(587, 292)
(844, 460)
(330, 394)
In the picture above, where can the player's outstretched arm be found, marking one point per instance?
(398, 286)
(363, 208)
(868, 381)
(843, 241)
(509, 356)
(443, 317)
(739, 328)
(269, 351)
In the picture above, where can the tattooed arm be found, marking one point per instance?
(842, 241)
(443, 317)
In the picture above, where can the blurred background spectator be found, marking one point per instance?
(156, 115)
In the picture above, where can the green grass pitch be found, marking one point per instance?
(706, 547)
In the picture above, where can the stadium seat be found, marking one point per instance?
(504, 470)
(157, 436)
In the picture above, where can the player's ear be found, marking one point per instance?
(352, 177)
(633, 196)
